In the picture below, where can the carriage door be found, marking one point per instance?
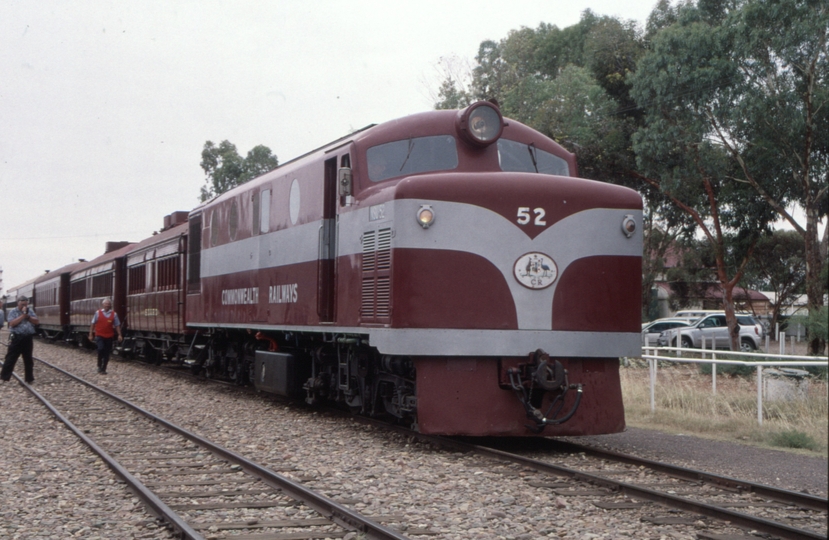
(326, 262)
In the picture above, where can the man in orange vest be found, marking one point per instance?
(104, 325)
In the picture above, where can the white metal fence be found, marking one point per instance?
(654, 354)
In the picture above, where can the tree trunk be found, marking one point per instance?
(814, 283)
(728, 305)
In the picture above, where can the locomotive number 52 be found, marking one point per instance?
(524, 216)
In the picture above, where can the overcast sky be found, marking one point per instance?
(105, 105)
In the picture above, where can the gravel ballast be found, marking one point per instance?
(52, 487)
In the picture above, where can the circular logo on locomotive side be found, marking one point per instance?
(535, 270)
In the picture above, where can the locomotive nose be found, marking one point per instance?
(515, 236)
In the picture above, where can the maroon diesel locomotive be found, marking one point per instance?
(446, 270)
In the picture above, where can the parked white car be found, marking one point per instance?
(693, 315)
(652, 330)
(713, 329)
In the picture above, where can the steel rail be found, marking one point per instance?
(667, 499)
(805, 500)
(153, 503)
(736, 518)
(337, 513)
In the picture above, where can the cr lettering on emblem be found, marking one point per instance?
(535, 270)
(524, 216)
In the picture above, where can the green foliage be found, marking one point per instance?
(455, 74)
(226, 169)
(611, 51)
(663, 15)
(452, 97)
(690, 278)
(816, 323)
(750, 80)
(578, 113)
(659, 237)
(794, 439)
(731, 370)
(779, 266)
(692, 85)
(567, 83)
(259, 161)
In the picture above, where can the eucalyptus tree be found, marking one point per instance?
(778, 266)
(748, 80)
(569, 83)
(225, 169)
(675, 153)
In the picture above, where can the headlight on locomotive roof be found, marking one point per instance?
(628, 225)
(425, 216)
(480, 124)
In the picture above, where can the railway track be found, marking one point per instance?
(675, 495)
(714, 507)
(198, 488)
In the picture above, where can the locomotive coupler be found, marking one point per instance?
(548, 376)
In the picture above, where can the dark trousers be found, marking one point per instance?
(104, 350)
(19, 345)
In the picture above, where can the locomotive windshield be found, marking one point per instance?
(520, 157)
(410, 156)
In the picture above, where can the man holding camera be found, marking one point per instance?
(22, 323)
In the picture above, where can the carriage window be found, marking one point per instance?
(254, 206)
(77, 290)
(168, 273)
(233, 220)
(519, 157)
(214, 228)
(265, 211)
(102, 285)
(137, 279)
(410, 156)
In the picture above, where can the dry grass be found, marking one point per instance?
(685, 403)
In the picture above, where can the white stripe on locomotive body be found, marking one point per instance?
(292, 245)
(453, 342)
(457, 227)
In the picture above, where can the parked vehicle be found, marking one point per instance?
(712, 331)
(652, 330)
(693, 315)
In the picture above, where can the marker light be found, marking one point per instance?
(628, 225)
(425, 216)
(480, 124)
